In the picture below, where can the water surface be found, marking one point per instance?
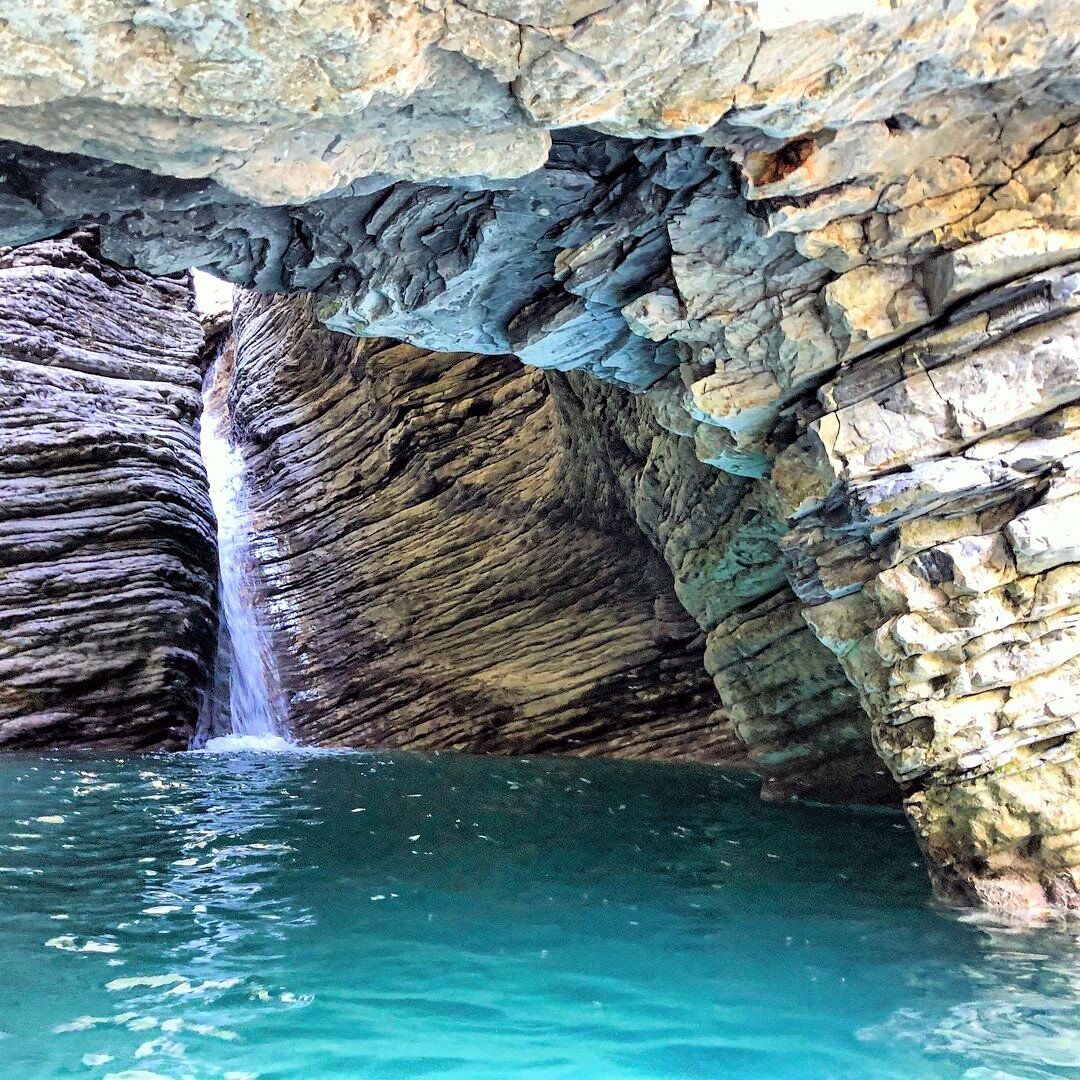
(397, 916)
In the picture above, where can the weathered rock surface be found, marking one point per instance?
(835, 253)
(843, 178)
(786, 694)
(441, 566)
(106, 533)
(286, 102)
(935, 531)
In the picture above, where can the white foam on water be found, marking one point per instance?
(249, 744)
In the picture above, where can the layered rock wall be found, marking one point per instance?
(107, 553)
(935, 543)
(787, 695)
(441, 566)
(500, 187)
(833, 252)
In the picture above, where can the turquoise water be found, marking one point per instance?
(390, 916)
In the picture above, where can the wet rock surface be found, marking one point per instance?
(106, 533)
(934, 541)
(438, 563)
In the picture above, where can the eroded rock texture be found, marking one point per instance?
(106, 533)
(422, 173)
(936, 533)
(283, 102)
(834, 253)
(441, 567)
(786, 694)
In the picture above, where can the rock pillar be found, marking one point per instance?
(107, 553)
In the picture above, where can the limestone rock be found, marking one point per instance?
(938, 558)
(786, 694)
(1046, 535)
(106, 533)
(284, 102)
(479, 179)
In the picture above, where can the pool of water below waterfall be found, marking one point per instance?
(388, 915)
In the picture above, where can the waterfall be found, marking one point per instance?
(240, 712)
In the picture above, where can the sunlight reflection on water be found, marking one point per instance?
(341, 915)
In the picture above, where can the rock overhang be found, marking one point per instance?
(283, 103)
(735, 190)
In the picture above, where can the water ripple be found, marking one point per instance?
(213, 916)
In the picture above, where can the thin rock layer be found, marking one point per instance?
(787, 695)
(106, 534)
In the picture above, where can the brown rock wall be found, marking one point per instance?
(442, 566)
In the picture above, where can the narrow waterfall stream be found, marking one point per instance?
(245, 716)
(239, 712)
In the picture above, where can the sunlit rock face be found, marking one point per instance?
(106, 532)
(438, 565)
(936, 537)
(834, 254)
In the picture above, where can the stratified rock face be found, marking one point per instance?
(106, 533)
(936, 537)
(835, 254)
(836, 181)
(441, 567)
(787, 695)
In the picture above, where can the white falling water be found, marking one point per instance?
(250, 720)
